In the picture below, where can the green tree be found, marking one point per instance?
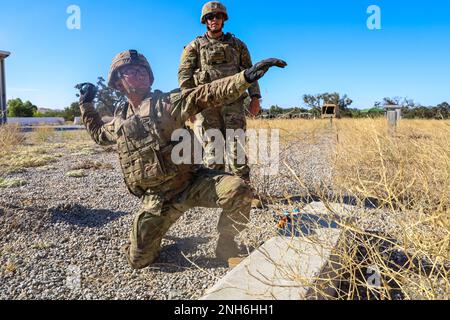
(18, 108)
(72, 111)
(443, 111)
(49, 113)
(275, 110)
(316, 101)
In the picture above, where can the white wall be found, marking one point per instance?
(36, 121)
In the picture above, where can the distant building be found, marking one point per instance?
(77, 121)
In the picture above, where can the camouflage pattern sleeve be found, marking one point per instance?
(246, 62)
(188, 65)
(215, 94)
(101, 133)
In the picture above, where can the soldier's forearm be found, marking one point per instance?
(218, 93)
(94, 125)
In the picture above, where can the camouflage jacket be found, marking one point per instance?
(205, 60)
(143, 136)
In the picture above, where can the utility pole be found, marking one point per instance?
(3, 56)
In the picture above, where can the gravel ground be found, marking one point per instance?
(308, 157)
(58, 227)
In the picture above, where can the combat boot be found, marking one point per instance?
(136, 263)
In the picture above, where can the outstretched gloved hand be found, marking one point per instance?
(87, 92)
(258, 70)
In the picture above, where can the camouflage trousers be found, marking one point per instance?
(228, 117)
(210, 189)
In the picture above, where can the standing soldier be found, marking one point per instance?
(213, 56)
(142, 131)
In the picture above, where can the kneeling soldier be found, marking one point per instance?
(142, 131)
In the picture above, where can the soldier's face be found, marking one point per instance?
(134, 77)
(214, 22)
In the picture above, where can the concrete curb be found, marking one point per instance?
(281, 269)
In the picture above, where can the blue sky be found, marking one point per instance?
(326, 43)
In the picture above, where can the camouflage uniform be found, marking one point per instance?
(204, 60)
(167, 190)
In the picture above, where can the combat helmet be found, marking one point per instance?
(213, 7)
(129, 57)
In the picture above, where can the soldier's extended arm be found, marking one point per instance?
(246, 62)
(187, 68)
(219, 92)
(101, 133)
(215, 94)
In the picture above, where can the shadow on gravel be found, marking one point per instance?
(369, 203)
(80, 216)
(171, 258)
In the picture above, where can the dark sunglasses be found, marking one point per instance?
(211, 16)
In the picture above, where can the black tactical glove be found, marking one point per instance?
(259, 69)
(87, 92)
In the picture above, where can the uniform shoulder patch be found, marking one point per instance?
(191, 46)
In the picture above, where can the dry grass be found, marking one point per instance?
(23, 157)
(10, 137)
(39, 148)
(76, 136)
(407, 175)
(42, 134)
(76, 173)
(408, 170)
(11, 182)
(10, 267)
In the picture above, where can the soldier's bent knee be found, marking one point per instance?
(238, 195)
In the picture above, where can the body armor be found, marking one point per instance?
(218, 59)
(145, 148)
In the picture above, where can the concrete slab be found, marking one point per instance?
(283, 268)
